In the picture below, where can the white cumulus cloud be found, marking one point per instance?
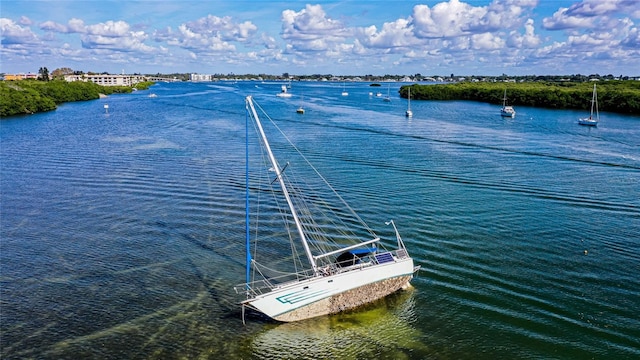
(528, 40)
(397, 34)
(590, 14)
(311, 30)
(13, 33)
(456, 18)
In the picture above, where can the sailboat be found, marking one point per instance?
(591, 120)
(388, 97)
(409, 113)
(283, 92)
(328, 271)
(344, 91)
(506, 111)
(300, 109)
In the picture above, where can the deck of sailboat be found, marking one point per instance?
(268, 284)
(331, 293)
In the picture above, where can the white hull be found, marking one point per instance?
(508, 112)
(331, 294)
(283, 92)
(588, 122)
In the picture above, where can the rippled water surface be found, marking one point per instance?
(122, 232)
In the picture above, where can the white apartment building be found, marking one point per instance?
(108, 80)
(200, 77)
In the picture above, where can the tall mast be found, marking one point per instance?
(285, 192)
(246, 200)
(594, 102)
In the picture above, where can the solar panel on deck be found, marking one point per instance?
(384, 257)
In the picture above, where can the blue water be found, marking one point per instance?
(122, 232)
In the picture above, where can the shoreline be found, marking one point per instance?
(622, 97)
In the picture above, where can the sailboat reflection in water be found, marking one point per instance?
(336, 263)
(383, 330)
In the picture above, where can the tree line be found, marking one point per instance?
(613, 96)
(32, 96)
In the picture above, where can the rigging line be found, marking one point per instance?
(281, 172)
(279, 273)
(283, 214)
(315, 170)
(264, 175)
(339, 217)
(283, 186)
(295, 255)
(312, 227)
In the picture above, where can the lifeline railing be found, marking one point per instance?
(265, 285)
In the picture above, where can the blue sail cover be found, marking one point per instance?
(363, 251)
(352, 257)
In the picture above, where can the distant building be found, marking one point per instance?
(14, 77)
(200, 77)
(108, 80)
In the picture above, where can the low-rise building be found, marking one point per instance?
(107, 79)
(14, 77)
(201, 77)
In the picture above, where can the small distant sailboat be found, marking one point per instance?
(346, 264)
(283, 92)
(344, 91)
(300, 110)
(388, 97)
(409, 113)
(591, 120)
(507, 111)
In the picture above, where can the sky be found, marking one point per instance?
(355, 37)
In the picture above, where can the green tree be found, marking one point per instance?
(43, 74)
(61, 72)
(613, 95)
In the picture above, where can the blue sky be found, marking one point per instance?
(472, 37)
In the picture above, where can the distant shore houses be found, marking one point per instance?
(15, 77)
(100, 79)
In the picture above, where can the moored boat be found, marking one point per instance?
(333, 273)
(284, 92)
(594, 116)
(507, 111)
(409, 113)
